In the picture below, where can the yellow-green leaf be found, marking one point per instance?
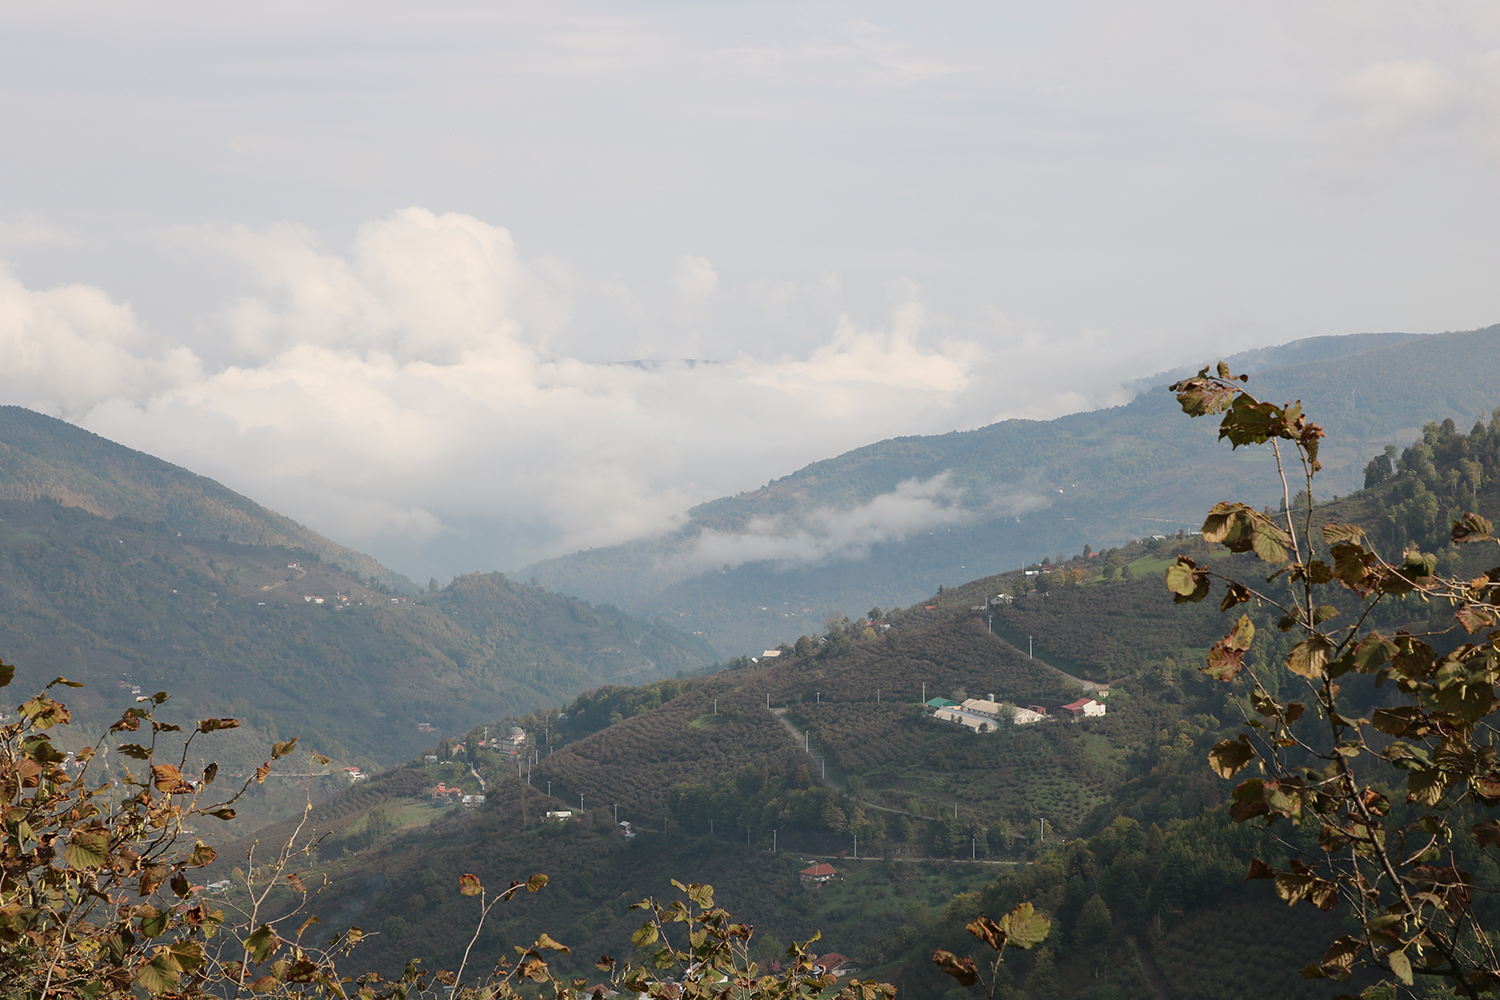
(86, 850)
(1230, 757)
(1309, 657)
(1024, 927)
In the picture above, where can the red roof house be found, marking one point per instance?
(1083, 707)
(818, 874)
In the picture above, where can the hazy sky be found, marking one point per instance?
(375, 264)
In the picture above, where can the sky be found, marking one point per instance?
(464, 285)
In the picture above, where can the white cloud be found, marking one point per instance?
(826, 534)
(396, 397)
(65, 349)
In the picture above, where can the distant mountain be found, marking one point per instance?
(888, 523)
(41, 456)
(136, 576)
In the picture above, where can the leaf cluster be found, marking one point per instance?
(1394, 869)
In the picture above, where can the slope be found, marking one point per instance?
(42, 456)
(1013, 492)
(293, 645)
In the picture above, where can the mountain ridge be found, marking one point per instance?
(1014, 491)
(42, 456)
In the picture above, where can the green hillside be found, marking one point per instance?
(1140, 870)
(291, 644)
(43, 457)
(1036, 488)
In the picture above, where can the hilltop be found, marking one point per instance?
(1015, 491)
(42, 457)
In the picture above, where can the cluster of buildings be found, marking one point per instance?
(985, 715)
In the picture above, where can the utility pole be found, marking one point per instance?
(823, 765)
(820, 698)
(955, 810)
(549, 789)
(856, 847)
(773, 841)
(806, 746)
(768, 701)
(580, 802)
(877, 696)
(1028, 647)
(924, 692)
(617, 812)
(716, 706)
(972, 849)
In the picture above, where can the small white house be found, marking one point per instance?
(1084, 708)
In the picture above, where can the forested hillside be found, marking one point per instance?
(292, 645)
(1025, 489)
(1140, 870)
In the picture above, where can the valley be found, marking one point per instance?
(500, 729)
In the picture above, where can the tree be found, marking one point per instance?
(1393, 792)
(96, 902)
(1381, 467)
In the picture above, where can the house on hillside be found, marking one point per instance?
(987, 707)
(959, 717)
(941, 703)
(817, 876)
(512, 741)
(834, 964)
(353, 774)
(1025, 716)
(1084, 707)
(473, 801)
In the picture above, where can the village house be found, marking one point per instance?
(473, 801)
(834, 964)
(1085, 707)
(961, 718)
(354, 774)
(560, 815)
(988, 707)
(512, 741)
(817, 876)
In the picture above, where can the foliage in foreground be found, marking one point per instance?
(97, 899)
(1387, 794)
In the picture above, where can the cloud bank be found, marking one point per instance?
(401, 396)
(827, 534)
